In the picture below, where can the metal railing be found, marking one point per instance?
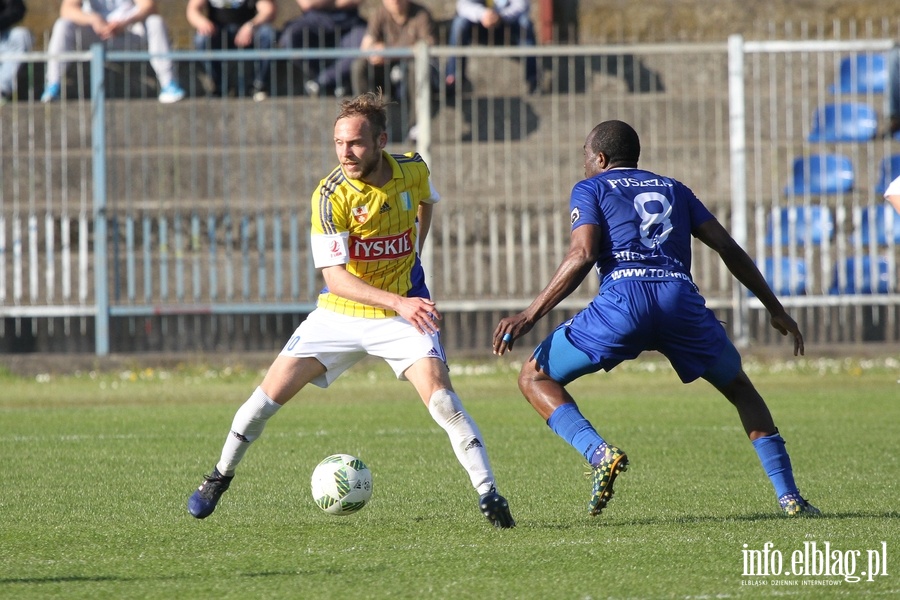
(114, 207)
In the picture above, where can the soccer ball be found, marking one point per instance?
(341, 484)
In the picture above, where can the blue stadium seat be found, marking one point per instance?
(862, 74)
(864, 284)
(821, 174)
(844, 122)
(791, 280)
(812, 221)
(888, 170)
(878, 217)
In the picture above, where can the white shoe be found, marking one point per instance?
(171, 94)
(312, 88)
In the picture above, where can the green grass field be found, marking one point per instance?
(97, 468)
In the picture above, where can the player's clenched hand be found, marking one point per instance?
(786, 325)
(421, 313)
(508, 330)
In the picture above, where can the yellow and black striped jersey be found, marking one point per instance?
(373, 231)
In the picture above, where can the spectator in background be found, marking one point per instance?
(892, 194)
(394, 24)
(233, 24)
(12, 40)
(495, 22)
(325, 24)
(125, 24)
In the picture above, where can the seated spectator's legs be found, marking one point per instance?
(157, 42)
(65, 36)
(313, 29)
(363, 76)
(395, 78)
(263, 39)
(319, 29)
(522, 34)
(337, 76)
(17, 39)
(460, 35)
(223, 38)
(518, 33)
(403, 76)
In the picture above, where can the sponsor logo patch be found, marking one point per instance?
(575, 215)
(381, 248)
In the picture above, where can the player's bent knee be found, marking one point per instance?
(445, 404)
(529, 376)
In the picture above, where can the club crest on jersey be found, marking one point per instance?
(575, 215)
(406, 200)
(381, 248)
(360, 213)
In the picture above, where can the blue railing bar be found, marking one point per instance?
(550, 51)
(810, 46)
(312, 286)
(117, 278)
(55, 311)
(148, 260)
(294, 255)
(179, 258)
(163, 258)
(213, 267)
(277, 251)
(129, 258)
(229, 263)
(245, 257)
(98, 146)
(240, 308)
(248, 54)
(261, 254)
(195, 255)
(35, 57)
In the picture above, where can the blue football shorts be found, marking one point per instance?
(630, 317)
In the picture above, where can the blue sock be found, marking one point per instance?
(776, 462)
(568, 423)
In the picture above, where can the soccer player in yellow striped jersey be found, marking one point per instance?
(369, 218)
(373, 230)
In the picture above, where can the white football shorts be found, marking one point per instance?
(340, 341)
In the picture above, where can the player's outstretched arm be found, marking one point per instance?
(420, 312)
(578, 262)
(714, 235)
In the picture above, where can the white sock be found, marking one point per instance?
(448, 412)
(248, 425)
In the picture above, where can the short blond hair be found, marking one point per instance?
(371, 106)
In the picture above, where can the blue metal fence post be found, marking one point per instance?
(98, 144)
(422, 70)
(738, 151)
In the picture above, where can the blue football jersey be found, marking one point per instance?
(646, 222)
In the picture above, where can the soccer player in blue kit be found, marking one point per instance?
(635, 227)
